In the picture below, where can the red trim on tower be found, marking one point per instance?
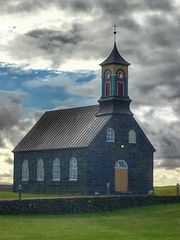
(120, 88)
(107, 89)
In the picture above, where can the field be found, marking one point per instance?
(141, 223)
(13, 195)
(168, 190)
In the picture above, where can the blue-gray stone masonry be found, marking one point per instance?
(96, 163)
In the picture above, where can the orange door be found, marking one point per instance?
(121, 176)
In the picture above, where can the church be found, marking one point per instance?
(97, 149)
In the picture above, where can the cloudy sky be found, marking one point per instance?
(49, 58)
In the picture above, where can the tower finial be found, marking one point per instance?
(114, 26)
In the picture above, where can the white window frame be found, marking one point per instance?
(73, 169)
(110, 135)
(25, 170)
(56, 174)
(121, 164)
(40, 170)
(132, 136)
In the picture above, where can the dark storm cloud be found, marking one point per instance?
(82, 38)
(27, 6)
(123, 6)
(108, 6)
(170, 164)
(52, 38)
(117, 8)
(55, 46)
(12, 126)
(3, 175)
(10, 108)
(2, 143)
(9, 161)
(16, 6)
(10, 113)
(164, 5)
(15, 134)
(169, 140)
(128, 24)
(165, 137)
(76, 6)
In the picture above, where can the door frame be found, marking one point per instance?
(121, 171)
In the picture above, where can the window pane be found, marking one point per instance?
(110, 137)
(73, 169)
(132, 136)
(40, 170)
(25, 171)
(121, 164)
(56, 170)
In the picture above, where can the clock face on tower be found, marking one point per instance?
(107, 74)
(120, 74)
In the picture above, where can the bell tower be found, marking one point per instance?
(114, 95)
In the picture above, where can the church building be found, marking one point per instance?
(95, 149)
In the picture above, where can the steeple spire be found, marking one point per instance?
(115, 57)
(114, 26)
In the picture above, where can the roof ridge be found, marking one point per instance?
(71, 108)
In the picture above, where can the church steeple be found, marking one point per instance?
(115, 58)
(114, 83)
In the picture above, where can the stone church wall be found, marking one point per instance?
(81, 204)
(64, 185)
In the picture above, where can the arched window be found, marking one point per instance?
(132, 136)
(73, 169)
(40, 170)
(56, 170)
(107, 88)
(120, 88)
(110, 136)
(120, 74)
(25, 171)
(121, 164)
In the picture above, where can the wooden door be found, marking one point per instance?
(121, 176)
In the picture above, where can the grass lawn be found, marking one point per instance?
(148, 223)
(168, 190)
(13, 195)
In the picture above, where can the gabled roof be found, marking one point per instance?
(67, 128)
(115, 57)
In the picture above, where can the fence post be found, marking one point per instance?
(19, 191)
(177, 189)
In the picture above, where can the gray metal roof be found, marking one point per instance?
(67, 128)
(115, 57)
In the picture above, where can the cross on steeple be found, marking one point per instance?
(115, 26)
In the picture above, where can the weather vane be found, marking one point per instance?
(115, 26)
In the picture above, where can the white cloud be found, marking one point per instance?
(164, 177)
(6, 173)
(87, 89)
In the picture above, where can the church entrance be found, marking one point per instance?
(121, 176)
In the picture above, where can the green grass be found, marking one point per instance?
(13, 195)
(160, 222)
(167, 190)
